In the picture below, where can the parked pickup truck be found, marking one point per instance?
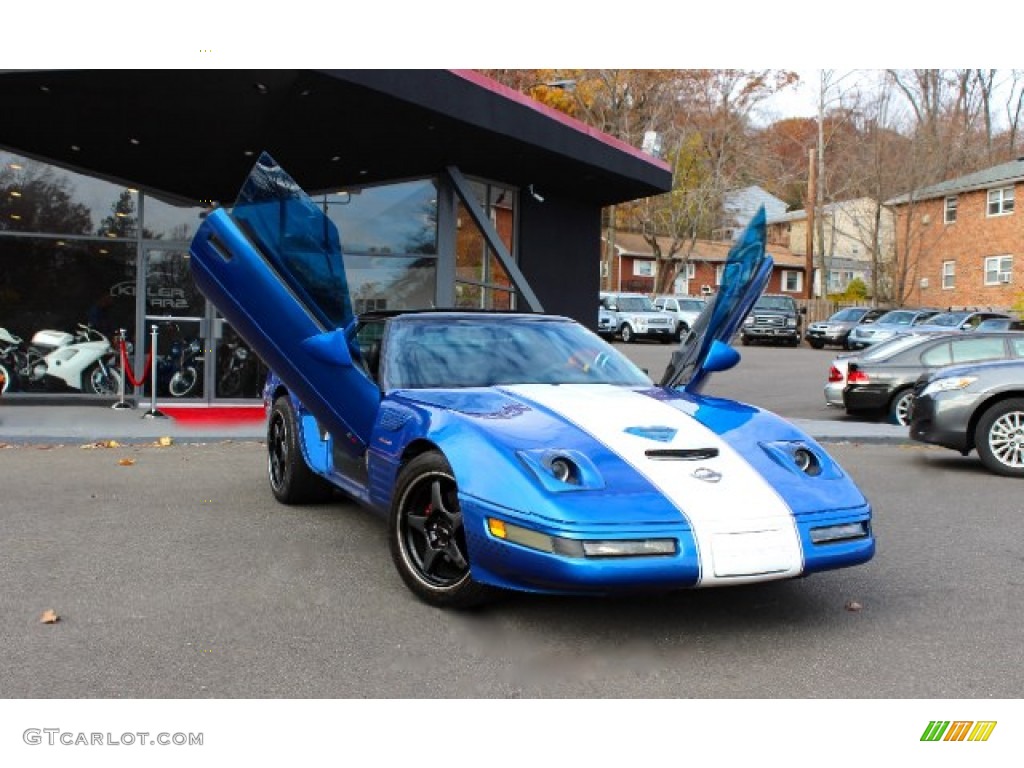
(775, 319)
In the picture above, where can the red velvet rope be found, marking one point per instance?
(128, 367)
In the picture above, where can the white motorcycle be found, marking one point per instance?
(85, 361)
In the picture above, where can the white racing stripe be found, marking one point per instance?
(744, 530)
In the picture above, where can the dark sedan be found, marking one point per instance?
(972, 407)
(885, 384)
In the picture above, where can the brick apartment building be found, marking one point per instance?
(961, 241)
(632, 267)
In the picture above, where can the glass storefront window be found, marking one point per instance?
(482, 281)
(40, 198)
(56, 284)
(391, 219)
(168, 221)
(390, 282)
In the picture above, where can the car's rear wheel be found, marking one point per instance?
(291, 479)
(428, 538)
(999, 438)
(899, 407)
(626, 332)
(816, 343)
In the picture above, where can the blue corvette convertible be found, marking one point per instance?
(513, 450)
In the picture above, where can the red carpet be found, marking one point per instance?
(202, 416)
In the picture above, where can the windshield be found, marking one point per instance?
(897, 317)
(635, 304)
(948, 319)
(692, 304)
(776, 302)
(848, 315)
(444, 352)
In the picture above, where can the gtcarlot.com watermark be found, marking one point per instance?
(56, 737)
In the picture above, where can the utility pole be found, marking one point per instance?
(809, 235)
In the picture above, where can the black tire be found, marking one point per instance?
(291, 479)
(97, 382)
(899, 407)
(746, 341)
(183, 382)
(427, 539)
(626, 333)
(681, 330)
(999, 438)
(816, 343)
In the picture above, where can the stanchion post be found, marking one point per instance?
(153, 412)
(121, 404)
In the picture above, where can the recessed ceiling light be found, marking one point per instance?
(261, 88)
(14, 167)
(16, 217)
(15, 193)
(75, 148)
(335, 158)
(363, 172)
(136, 142)
(248, 153)
(305, 92)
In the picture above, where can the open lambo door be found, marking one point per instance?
(274, 269)
(707, 347)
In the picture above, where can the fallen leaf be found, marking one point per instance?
(853, 606)
(111, 444)
(49, 616)
(165, 441)
(126, 462)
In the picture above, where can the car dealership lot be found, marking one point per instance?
(178, 575)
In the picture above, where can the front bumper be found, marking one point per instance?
(754, 332)
(505, 564)
(827, 336)
(944, 419)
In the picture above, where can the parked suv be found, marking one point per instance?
(685, 309)
(637, 318)
(774, 318)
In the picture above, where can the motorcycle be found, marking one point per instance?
(237, 369)
(55, 360)
(180, 371)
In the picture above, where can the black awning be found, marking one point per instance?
(194, 134)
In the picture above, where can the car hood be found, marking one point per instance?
(668, 453)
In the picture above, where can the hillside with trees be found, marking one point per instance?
(877, 134)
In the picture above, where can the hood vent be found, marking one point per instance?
(681, 454)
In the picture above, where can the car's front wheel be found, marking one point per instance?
(626, 332)
(999, 438)
(428, 537)
(291, 479)
(816, 343)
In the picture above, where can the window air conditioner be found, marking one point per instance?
(1004, 277)
(705, 290)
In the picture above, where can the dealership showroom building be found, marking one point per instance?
(448, 190)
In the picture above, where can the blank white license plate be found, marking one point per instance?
(748, 554)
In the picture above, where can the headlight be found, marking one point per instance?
(791, 322)
(542, 542)
(949, 385)
(749, 320)
(842, 532)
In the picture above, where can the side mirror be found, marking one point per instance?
(721, 357)
(803, 310)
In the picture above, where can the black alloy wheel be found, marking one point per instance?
(291, 479)
(427, 536)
